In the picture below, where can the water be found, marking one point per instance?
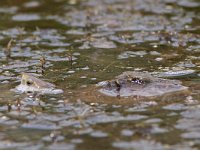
(86, 42)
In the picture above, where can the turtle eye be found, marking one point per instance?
(29, 83)
(137, 81)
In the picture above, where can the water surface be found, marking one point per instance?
(85, 42)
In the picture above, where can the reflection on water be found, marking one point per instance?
(85, 42)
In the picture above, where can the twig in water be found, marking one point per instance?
(69, 55)
(7, 51)
(42, 63)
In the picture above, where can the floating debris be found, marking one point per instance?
(178, 73)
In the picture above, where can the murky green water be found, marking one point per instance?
(88, 41)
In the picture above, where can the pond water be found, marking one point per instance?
(88, 41)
